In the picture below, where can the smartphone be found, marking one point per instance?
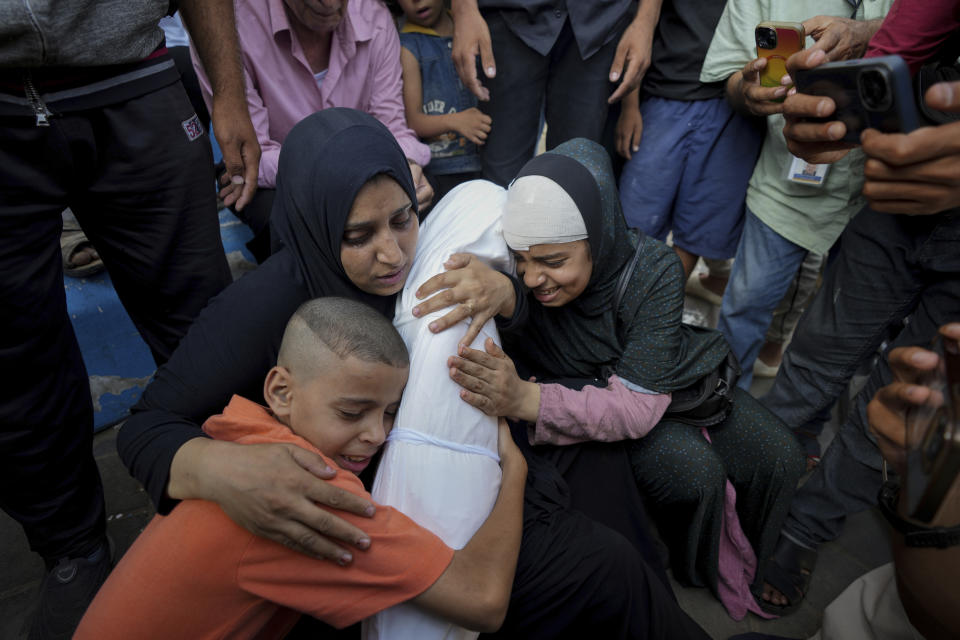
(777, 41)
(872, 93)
(933, 439)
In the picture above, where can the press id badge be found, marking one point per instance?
(802, 172)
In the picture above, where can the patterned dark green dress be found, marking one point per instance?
(645, 343)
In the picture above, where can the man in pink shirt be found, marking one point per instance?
(300, 56)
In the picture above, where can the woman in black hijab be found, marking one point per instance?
(632, 344)
(330, 160)
(345, 224)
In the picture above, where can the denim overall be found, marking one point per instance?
(443, 93)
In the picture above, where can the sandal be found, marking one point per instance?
(71, 244)
(788, 571)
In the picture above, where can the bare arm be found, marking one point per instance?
(214, 34)
(629, 125)
(474, 591)
(471, 38)
(471, 123)
(634, 49)
(927, 579)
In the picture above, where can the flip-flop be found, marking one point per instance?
(71, 243)
(788, 571)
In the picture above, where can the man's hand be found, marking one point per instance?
(748, 96)
(815, 142)
(471, 38)
(632, 58)
(241, 152)
(840, 38)
(490, 383)
(887, 411)
(629, 131)
(213, 32)
(916, 173)
(474, 290)
(420, 182)
(473, 124)
(272, 490)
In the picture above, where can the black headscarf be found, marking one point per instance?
(644, 340)
(324, 161)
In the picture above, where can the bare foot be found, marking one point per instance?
(714, 284)
(773, 596)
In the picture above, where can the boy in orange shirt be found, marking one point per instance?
(335, 390)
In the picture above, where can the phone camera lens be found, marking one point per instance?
(873, 90)
(766, 38)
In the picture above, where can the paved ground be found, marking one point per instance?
(863, 545)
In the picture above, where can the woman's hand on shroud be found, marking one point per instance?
(490, 383)
(272, 490)
(474, 289)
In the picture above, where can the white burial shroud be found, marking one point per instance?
(440, 464)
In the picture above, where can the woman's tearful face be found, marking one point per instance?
(380, 237)
(556, 274)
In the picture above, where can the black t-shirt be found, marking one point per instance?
(679, 46)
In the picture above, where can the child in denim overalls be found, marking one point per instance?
(438, 107)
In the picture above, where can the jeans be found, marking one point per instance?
(889, 268)
(763, 270)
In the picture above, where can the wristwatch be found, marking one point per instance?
(914, 533)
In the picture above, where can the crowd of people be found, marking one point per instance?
(362, 139)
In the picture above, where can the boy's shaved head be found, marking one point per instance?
(346, 328)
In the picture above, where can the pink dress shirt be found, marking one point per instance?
(364, 73)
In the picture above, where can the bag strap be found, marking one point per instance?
(624, 281)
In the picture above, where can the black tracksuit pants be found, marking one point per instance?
(143, 192)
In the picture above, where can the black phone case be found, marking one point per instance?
(841, 82)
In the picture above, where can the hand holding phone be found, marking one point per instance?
(870, 93)
(933, 437)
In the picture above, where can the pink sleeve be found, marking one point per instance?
(605, 414)
(914, 30)
(269, 148)
(386, 100)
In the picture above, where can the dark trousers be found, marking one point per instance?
(143, 193)
(188, 76)
(889, 268)
(572, 92)
(685, 478)
(587, 567)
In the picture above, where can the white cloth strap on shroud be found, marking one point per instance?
(439, 465)
(415, 437)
